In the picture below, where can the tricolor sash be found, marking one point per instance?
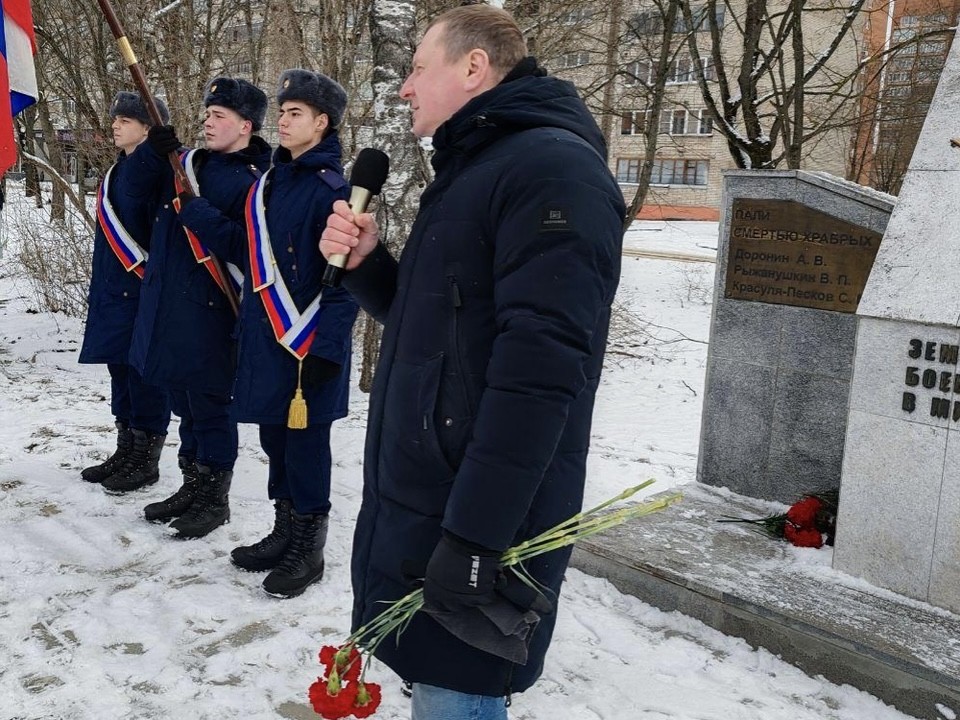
(293, 330)
(128, 251)
(200, 252)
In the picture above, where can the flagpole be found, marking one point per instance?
(126, 52)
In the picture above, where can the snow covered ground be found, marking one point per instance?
(103, 616)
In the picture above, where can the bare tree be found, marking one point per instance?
(392, 29)
(765, 62)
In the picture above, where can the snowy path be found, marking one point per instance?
(103, 616)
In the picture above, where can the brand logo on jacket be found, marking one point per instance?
(553, 217)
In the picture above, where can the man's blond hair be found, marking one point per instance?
(485, 27)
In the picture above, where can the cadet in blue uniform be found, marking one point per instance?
(183, 337)
(125, 207)
(294, 334)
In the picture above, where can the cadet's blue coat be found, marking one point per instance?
(183, 336)
(114, 292)
(299, 197)
(495, 322)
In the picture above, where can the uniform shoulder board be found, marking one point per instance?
(332, 178)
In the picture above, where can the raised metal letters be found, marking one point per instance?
(786, 253)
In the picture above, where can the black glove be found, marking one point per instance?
(163, 139)
(460, 575)
(317, 370)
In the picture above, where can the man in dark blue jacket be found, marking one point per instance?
(495, 322)
(183, 338)
(295, 336)
(121, 245)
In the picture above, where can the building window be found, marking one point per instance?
(633, 122)
(651, 22)
(709, 71)
(704, 122)
(679, 172)
(665, 171)
(932, 47)
(681, 70)
(239, 68)
(628, 170)
(681, 121)
(574, 59)
(638, 72)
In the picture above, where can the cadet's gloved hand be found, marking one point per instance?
(163, 139)
(317, 370)
(460, 575)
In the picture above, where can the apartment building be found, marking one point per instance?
(907, 42)
(617, 73)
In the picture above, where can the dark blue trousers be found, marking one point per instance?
(141, 406)
(300, 465)
(208, 433)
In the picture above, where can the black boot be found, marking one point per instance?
(177, 504)
(99, 473)
(141, 467)
(210, 507)
(302, 563)
(267, 553)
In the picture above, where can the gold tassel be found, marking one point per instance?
(297, 416)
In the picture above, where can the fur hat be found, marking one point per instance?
(315, 89)
(131, 105)
(244, 98)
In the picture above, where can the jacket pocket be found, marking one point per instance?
(413, 468)
(202, 290)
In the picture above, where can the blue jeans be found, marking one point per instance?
(435, 703)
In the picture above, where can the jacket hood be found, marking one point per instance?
(525, 99)
(325, 154)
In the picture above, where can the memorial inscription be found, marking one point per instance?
(785, 253)
(933, 378)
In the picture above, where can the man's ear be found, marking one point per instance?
(479, 72)
(323, 122)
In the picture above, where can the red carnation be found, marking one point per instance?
(803, 514)
(332, 707)
(346, 658)
(367, 699)
(803, 537)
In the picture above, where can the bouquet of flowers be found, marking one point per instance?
(342, 691)
(810, 522)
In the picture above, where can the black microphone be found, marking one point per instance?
(367, 178)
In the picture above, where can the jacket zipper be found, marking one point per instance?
(456, 301)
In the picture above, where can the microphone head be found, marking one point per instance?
(370, 170)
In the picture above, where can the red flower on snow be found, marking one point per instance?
(803, 514)
(346, 659)
(367, 699)
(803, 537)
(331, 707)
(341, 692)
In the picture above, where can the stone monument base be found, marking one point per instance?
(745, 584)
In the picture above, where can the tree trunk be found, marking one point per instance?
(31, 183)
(651, 130)
(55, 158)
(392, 24)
